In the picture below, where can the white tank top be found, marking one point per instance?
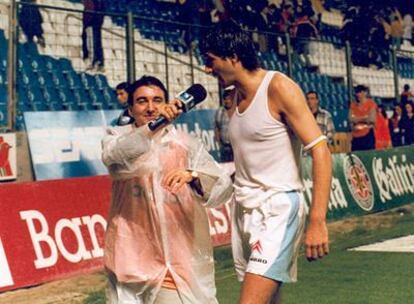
(266, 152)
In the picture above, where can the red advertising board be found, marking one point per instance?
(55, 229)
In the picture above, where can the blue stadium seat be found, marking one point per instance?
(57, 106)
(3, 79)
(64, 65)
(3, 114)
(35, 94)
(51, 94)
(3, 65)
(72, 79)
(66, 95)
(40, 106)
(101, 81)
(4, 45)
(3, 94)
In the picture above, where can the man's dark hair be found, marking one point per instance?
(122, 86)
(227, 92)
(145, 81)
(406, 87)
(227, 39)
(360, 88)
(312, 92)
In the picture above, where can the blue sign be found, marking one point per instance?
(68, 144)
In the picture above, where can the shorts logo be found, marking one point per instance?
(263, 261)
(256, 246)
(358, 181)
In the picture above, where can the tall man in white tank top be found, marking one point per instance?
(269, 123)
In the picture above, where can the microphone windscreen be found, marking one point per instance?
(198, 92)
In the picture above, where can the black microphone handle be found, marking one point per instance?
(155, 124)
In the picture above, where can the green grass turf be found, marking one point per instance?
(343, 277)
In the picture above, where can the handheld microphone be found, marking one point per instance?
(189, 99)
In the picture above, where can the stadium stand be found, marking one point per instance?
(56, 78)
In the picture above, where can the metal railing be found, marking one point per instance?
(136, 45)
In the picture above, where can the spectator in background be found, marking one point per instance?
(31, 21)
(362, 117)
(157, 243)
(286, 18)
(189, 14)
(323, 117)
(382, 131)
(92, 22)
(394, 125)
(122, 96)
(221, 123)
(406, 96)
(378, 42)
(349, 25)
(302, 30)
(408, 28)
(407, 124)
(397, 27)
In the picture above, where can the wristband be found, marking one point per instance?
(314, 143)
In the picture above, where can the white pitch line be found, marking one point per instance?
(402, 244)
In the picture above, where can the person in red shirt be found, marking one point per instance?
(382, 131)
(363, 118)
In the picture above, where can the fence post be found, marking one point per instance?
(130, 48)
(190, 53)
(166, 65)
(12, 66)
(395, 72)
(289, 52)
(349, 71)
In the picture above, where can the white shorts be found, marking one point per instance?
(266, 239)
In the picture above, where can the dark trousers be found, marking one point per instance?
(226, 153)
(366, 142)
(96, 44)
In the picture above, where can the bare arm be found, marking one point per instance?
(369, 119)
(330, 131)
(287, 101)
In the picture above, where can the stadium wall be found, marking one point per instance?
(55, 229)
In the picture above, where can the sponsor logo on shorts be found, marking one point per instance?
(263, 261)
(358, 181)
(256, 246)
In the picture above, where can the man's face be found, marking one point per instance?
(220, 68)
(147, 101)
(408, 108)
(228, 98)
(313, 102)
(360, 95)
(122, 97)
(398, 110)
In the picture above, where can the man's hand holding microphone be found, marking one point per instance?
(184, 102)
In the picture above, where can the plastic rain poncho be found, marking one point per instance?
(151, 231)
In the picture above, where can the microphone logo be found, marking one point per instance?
(189, 99)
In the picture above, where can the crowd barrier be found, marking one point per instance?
(55, 229)
(367, 181)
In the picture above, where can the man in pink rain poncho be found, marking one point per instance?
(158, 247)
